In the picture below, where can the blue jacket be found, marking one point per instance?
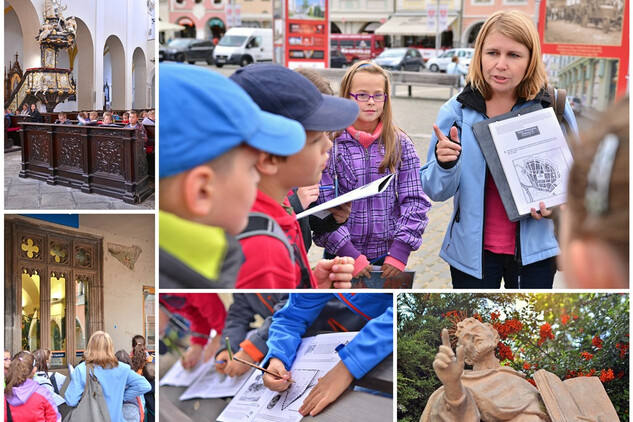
(118, 384)
(465, 182)
(369, 347)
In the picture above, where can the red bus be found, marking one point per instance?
(357, 47)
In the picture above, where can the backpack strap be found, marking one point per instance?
(260, 224)
(54, 383)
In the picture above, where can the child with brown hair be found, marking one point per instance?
(383, 229)
(208, 173)
(27, 400)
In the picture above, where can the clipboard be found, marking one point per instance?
(487, 146)
(404, 280)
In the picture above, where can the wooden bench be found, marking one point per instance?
(106, 160)
(13, 132)
(422, 79)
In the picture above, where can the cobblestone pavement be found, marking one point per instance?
(33, 194)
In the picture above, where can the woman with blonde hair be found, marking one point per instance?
(481, 244)
(27, 400)
(117, 379)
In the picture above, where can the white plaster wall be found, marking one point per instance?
(12, 39)
(123, 288)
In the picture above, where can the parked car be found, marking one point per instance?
(441, 62)
(244, 46)
(400, 59)
(190, 50)
(576, 105)
(337, 59)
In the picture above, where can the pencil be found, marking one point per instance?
(260, 368)
(228, 347)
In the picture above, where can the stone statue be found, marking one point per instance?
(53, 9)
(71, 25)
(489, 392)
(45, 31)
(494, 393)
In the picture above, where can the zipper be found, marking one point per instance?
(369, 200)
(455, 220)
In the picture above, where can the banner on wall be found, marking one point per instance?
(589, 28)
(301, 36)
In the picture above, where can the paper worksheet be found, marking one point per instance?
(370, 189)
(254, 402)
(535, 158)
(180, 377)
(212, 385)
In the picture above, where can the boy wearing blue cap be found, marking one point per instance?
(207, 173)
(268, 263)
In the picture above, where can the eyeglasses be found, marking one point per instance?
(362, 97)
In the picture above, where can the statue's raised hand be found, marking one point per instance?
(448, 366)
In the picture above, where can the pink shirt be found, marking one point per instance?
(499, 232)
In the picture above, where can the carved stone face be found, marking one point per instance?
(478, 341)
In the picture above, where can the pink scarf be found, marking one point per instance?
(364, 138)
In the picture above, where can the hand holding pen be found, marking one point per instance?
(279, 382)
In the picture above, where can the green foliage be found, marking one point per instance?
(576, 322)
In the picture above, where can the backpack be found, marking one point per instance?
(92, 405)
(132, 410)
(559, 98)
(260, 224)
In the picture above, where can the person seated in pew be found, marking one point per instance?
(150, 118)
(35, 114)
(25, 110)
(83, 118)
(142, 115)
(135, 124)
(107, 120)
(9, 112)
(126, 118)
(62, 119)
(93, 119)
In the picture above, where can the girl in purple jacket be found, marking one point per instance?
(385, 228)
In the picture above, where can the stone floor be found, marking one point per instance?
(32, 194)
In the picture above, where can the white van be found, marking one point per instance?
(244, 46)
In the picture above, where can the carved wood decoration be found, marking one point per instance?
(40, 250)
(109, 161)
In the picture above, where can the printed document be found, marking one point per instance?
(535, 158)
(254, 402)
(180, 377)
(370, 189)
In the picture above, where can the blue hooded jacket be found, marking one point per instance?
(369, 347)
(465, 182)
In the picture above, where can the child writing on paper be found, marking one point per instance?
(372, 344)
(383, 229)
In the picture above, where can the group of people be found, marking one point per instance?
(33, 393)
(271, 131)
(287, 318)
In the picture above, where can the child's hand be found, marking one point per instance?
(274, 383)
(222, 360)
(235, 368)
(328, 389)
(307, 195)
(389, 270)
(364, 273)
(335, 273)
(211, 348)
(447, 150)
(341, 213)
(192, 356)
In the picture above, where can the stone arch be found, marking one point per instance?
(190, 27)
(152, 89)
(82, 60)
(29, 20)
(470, 34)
(139, 79)
(115, 75)
(214, 28)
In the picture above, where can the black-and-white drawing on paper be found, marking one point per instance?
(542, 176)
